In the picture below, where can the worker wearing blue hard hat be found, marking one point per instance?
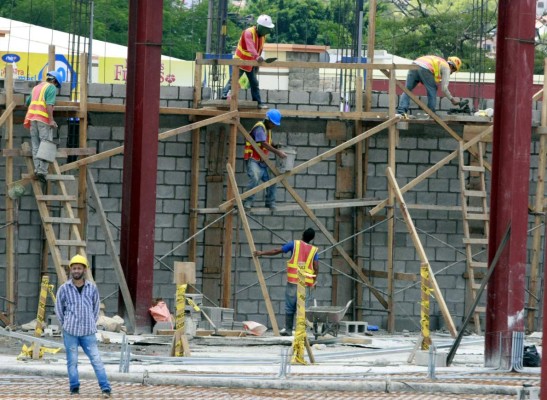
(39, 118)
(257, 170)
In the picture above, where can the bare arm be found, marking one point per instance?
(277, 152)
(272, 252)
(52, 122)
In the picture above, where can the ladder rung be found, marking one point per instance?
(473, 168)
(475, 241)
(477, 264)
(477, 286)
(474, 193)
(477, 217)
(52, 177)
(65, 263)
(55, 197)
(480, 309)
(61, 220)
(62, 242)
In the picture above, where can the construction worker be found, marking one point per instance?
(302, 251)
(257, 170)
(432, 70)
(77, 308)
(249, 48)
(39, 118)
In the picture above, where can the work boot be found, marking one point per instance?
(289, 321)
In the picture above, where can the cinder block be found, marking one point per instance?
(353, 327)
(422, 358)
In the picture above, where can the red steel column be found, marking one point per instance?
(510, 177)
(141, 153)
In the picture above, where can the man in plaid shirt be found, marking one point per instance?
(77, 308)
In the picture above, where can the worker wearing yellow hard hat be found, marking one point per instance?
(433, 70)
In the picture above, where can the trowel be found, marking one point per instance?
(270, 60)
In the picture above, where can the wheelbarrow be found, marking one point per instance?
(325, 319)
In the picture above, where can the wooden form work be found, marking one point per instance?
(233, 116)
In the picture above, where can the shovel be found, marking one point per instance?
(270, 60)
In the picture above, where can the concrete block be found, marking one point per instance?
(422, 358)
(100, 90)
(299, 97)
(353, 327)
(322, 98)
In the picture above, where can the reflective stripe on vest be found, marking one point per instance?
(434, 64)
(37, 110)
(249, 152)
(302, 252)
(243, 53)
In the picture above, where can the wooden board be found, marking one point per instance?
(336, 130)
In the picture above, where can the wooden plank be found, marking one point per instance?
(421, 252)
(61, 220)
(55, 197)
(59, 177)
(327, 154)
(70, 242)
(161, 136)
(400, 276)
(424, 175)
(7, 113)
(392, 144)
(109, 239)
(308, 65)
(61, 152)
(336, 130)
(252, 250)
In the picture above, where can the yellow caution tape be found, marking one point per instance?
(299, 343)
(193, 304)
(179, 319)
(424, 311)
(26, 351)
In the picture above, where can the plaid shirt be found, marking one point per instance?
(78, 312)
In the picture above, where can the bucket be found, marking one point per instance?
(47, 151)
(286, 164)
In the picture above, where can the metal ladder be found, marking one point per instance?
(54, 226)
(475, 223)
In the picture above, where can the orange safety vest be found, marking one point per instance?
(37, 110)
(434, 64)
(243, 53)
(249, 152)
(302, 252)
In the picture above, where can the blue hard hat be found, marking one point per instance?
(57, 77)
(274, 116)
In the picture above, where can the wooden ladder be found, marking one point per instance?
(61, 249)
(475, 223)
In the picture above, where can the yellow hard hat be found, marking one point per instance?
(78, 259)
(456, 62)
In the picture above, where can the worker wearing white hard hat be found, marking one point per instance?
(249, 47)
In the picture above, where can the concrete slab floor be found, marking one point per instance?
(217, 370)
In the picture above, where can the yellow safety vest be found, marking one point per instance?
(434, 64)
(249, 152)
(302, 252)
(37, 110)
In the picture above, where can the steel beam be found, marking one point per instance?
(141, 153)
(510, 172)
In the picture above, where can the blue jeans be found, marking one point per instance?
(257, 172)
(89, 345)
(253, 81)
(414, 77)
(290, 297)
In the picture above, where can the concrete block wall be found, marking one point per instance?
(419, 148)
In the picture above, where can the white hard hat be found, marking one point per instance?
(266, 21)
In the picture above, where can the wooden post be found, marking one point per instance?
(50, 58)
(10, 212)
(370, 52)
(82, 184)
(194, 184)
(421, 252)
(392, 135)
(40, 315)
(252, 249)
(300, 341)
(538, 209)
(424, 307)
(180, 347)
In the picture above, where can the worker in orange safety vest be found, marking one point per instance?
(39, 118)
(432, 71)
(249, 48)
(302, 251)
